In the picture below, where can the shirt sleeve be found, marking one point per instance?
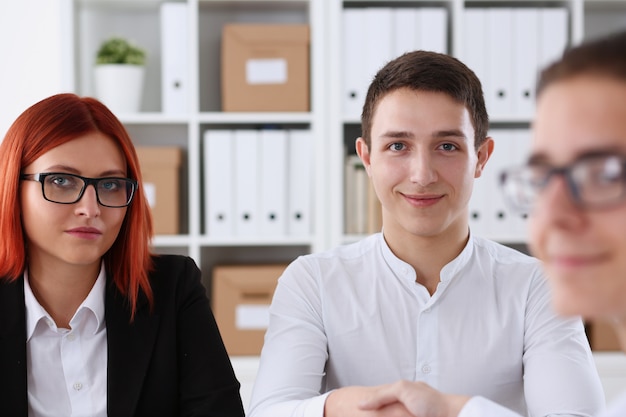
(560, 377)
(291, 369)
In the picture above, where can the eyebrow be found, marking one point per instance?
(438, 134)
(539, 158)
(70, 170)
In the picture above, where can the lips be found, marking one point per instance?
(85, 232)
(423, 200)
(575, 261)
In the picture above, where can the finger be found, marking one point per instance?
(379, 399)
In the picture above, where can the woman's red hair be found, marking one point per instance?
(46, 125)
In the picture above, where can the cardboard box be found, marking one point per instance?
(602, 336)
(241, 297)
(160, 167)
(265, 67)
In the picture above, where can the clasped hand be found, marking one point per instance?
(400, 399)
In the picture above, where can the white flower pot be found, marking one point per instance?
(119, 86)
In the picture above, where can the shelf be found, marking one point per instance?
(254, 118)
(148, 118)
(139, 20)
(251, 4)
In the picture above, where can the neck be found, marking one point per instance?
(428, 254)
(61, 290)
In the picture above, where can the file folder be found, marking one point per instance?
(433, 29)
(378, 32)
(273, 182)
(300, 182)
(499, 59)
(478, 217)
(554, 35)
(355, 79)
(525, 60)
(174, 58)
(218, 183)
(475, 47)
(246, 183)
(521, 152)
(498, 213)
(405, 30)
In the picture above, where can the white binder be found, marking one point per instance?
(525, 60)
(405, 30)
(355, 81)
(474, 46)
(499, 62)
(273, 182)
(378, 31)
(478, 220)
(433, 29)
(299, 183)
(246, 183)
(218, 183)
(498, 213)
(520, 154)
(553, 27)
(174, 58)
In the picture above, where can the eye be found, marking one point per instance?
(397, 146)
(110, 184)
(537, 176)
(448, 147)
(61, 181)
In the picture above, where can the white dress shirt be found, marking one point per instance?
(67, 368)
(355, 315)
(617, 408)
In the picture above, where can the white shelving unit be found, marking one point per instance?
(87, 22)
(585, 18)
(91, 21)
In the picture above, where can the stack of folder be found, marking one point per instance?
(257, 182)
(505, 47)
(372, 36)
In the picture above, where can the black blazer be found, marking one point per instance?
(169, 362)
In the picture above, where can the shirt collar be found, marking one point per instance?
(450, 270)
(94, 303)
(447, 272)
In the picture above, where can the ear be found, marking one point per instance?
(483, 153)
(364, 153)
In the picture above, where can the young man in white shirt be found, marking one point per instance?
(424, 300)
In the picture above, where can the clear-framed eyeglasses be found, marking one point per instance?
(593, 181)
(65, 188)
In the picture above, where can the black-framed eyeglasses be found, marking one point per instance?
(63, 188)
(597, 181)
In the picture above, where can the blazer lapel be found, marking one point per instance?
(129, 350)
(13, 380)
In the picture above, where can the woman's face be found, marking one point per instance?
(584, 250)
(77, 234)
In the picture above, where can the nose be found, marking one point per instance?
(422, 171)
(88, 203)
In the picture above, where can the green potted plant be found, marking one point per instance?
(119, 75)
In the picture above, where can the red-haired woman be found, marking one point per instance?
(92, 323)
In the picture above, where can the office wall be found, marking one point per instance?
(30, 55)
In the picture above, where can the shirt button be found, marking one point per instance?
(78, 386)
(71, 337)
(427, 310)
(426, 369)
